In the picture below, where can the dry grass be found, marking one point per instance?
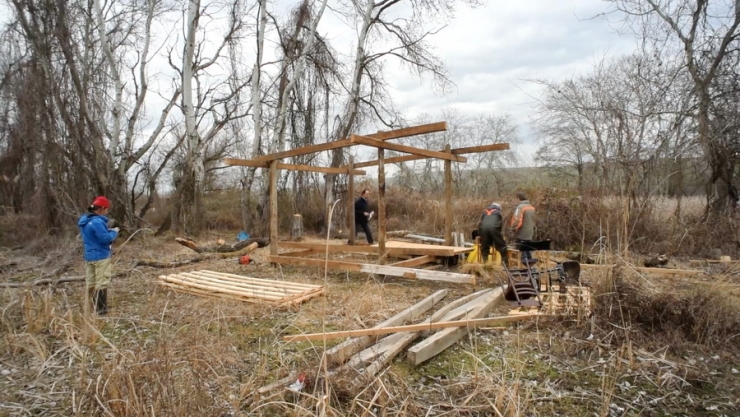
(648, 350)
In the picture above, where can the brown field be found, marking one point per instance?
(656, 345)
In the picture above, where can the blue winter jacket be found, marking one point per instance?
(96, 236)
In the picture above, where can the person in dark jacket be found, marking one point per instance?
(489, 229)
(362, 215)
(97, 239)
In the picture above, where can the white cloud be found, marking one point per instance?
(493, 50)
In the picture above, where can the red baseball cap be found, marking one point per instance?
(101, 201)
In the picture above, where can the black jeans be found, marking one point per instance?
(524, 249)
(492, 237)
(366, 228)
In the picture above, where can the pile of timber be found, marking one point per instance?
(241, 288)
(367, 353)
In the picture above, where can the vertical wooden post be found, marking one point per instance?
(448, 198)
(273, 209)
(351, 200)
(381, 204)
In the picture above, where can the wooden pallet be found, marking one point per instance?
(241, 288)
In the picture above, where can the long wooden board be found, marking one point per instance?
(393, 247)
(343, 143)
(438, 342)
(340, 353)
(408, 273)
(368, 141)
(666, 271)
(248, 289)
(469, 323)
(385, 350)
(456, 151)
(290, 167)
(414, 262)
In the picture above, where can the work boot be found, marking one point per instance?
(101, 302)
(91, 296)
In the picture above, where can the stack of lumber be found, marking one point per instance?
(367, 354)
(241, 288)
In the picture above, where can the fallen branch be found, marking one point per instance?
(229, 249)
(175, 264)
(53, 281)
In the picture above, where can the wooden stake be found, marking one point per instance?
(448, 198)
(273, 209)
(351, 201)
(296, 230)
(381, 204)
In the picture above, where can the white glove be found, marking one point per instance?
(115, 229)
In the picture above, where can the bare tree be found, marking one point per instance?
(707, 31)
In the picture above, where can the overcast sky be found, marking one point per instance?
(492, 51)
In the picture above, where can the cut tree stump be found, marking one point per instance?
(296, 230)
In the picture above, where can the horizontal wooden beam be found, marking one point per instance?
(290, 167)
(414, 262)
(666, 271)
(481, 148)
(431, 250)
(472, 323)
(456, 151)
(343, 143)
(408, 273)
(368, 141)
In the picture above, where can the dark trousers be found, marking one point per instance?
(522, 245)
(366, 228)
(491, 237)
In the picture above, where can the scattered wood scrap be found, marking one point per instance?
(241, 288)
(224, 248)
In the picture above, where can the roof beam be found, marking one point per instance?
(368, 141)
(290, 167)
(456, 151)
(343, 143)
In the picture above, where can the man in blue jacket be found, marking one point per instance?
(97, 239)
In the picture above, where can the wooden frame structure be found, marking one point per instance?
(379, 140)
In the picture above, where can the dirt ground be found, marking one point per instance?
(160, 352)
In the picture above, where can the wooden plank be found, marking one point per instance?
(409, 273)
(225, 289)
(340, 353)
(482, 148)
(367, 141)
(306, 252)
(393, 247)
(280, 284)
(211, 294)
(448, 198)
(340, 265)
(288, 292)
(414, 262)
(290, 167)
(440, 341)
(443, 314)
(420, 274)
(393, 134)
(351, 201)
(322, 247)
(451, 325)
(216, 284)
(381, 206)
(456, 151)
(273, 209)
(666, 271)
